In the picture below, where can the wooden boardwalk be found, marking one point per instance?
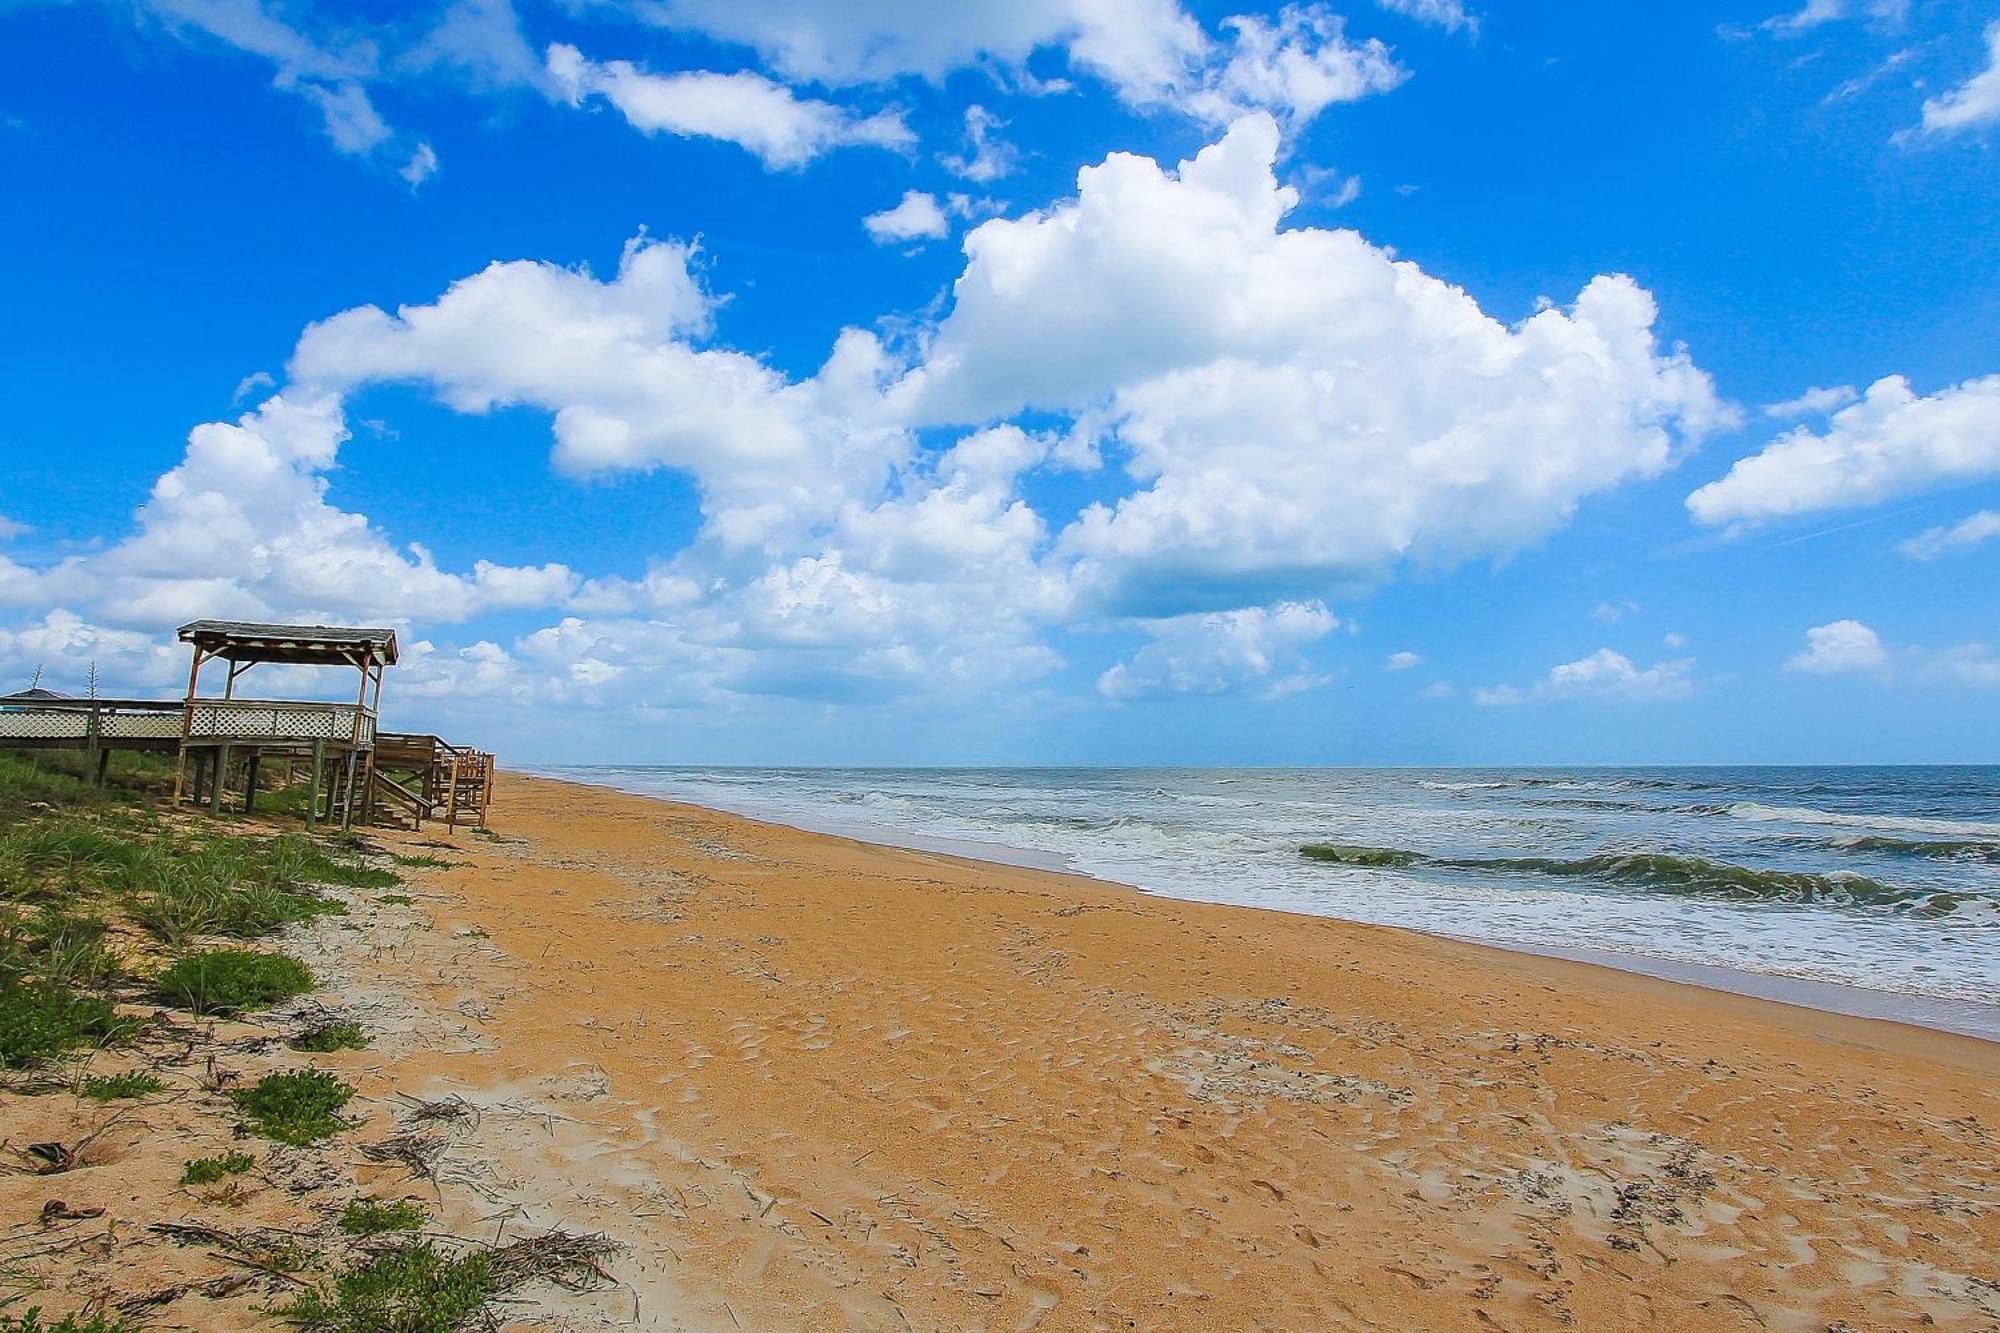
(358, 774)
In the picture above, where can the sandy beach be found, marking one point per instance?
(810, 1083)
(858, 1086)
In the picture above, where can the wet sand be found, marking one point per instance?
(811, 1083)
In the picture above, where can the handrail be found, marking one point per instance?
(316, 705)
(92, 705)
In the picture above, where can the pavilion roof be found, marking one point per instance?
(304, 645)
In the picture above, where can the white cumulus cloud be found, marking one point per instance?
(1891, 442)
(1295, 68)
(1605, 674)
(917, 217)
(1841, 648)
(1297, 406)
(1214, 653)
(744, 108)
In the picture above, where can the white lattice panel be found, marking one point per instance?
(277, 720)
(44, 726)
(141, 726)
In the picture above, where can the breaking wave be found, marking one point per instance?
(1664, 872)
(1799, 814)
(1942, 849)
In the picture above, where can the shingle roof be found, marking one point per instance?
(309, 645)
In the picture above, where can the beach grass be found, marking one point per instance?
(78, 859)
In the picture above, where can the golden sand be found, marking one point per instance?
(817, 1084)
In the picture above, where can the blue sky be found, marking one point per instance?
(1399, 381)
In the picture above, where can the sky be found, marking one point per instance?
(1037, 382)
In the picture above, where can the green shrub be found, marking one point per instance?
(395, 900)
(31, 1322)
(371, 1217)
(297, 1107)
(112, 1087)
(326, 1037)
(208, 1170)
(41, 1019)
(413, 1289)
(219, 980)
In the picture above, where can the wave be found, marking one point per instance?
(1348, 854)
(1665, 872)
(1539, 781)
(1944, 849)
(1799, 814)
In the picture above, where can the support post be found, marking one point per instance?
(187, 723)
(250, 781)
(347, 807)
(312, 798)
(218, 778)
(93, 741)
(103, 764)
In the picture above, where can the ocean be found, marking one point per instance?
(1781, 881)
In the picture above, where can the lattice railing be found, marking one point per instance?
(115, 721)
(253, 720)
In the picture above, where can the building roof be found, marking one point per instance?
(34, 695)
(305, 645)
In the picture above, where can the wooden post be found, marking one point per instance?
(187, 723)
(451, 794)
(347, 808)
(373, 722)
(93, 741)
(103, 763)
(218, 779)
(312, 799)
(250, 781)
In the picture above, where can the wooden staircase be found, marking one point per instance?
(421, 777)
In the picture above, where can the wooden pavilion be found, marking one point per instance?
(214, 731)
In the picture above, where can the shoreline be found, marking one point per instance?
(1958, 1017)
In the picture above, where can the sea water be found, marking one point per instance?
(1886, 879)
